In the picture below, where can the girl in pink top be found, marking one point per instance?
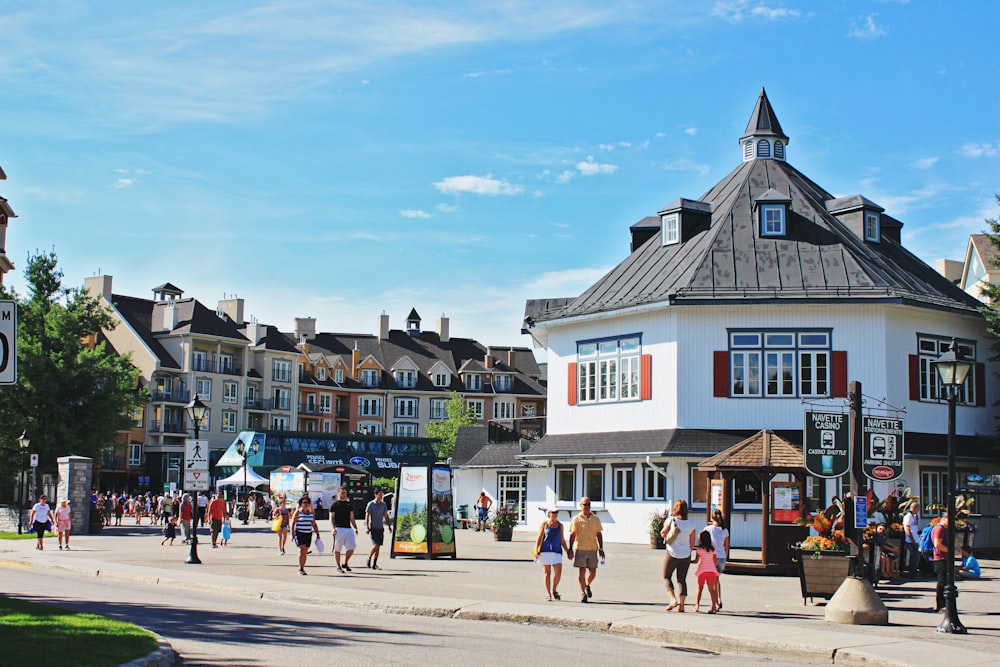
(63, 522)
(707, 571)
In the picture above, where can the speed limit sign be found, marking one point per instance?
(8, 342)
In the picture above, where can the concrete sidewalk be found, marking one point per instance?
(497, 581)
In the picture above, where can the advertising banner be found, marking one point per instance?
(882, 457)
(442, 513)
(410, 535)
(826, 444)
(786, 503)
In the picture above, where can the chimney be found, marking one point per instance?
(512, 358)
(356, 357)
(253, 332)
(164, 316)
(305, 328)
(488, 359)
(99, 286)
(442, 329)
(233, 308)
(383, 326)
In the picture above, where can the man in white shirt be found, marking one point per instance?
(911, 530)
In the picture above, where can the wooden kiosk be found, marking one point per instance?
(765, 455)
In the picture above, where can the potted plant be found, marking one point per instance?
(656, 521)
(504, 520)
(964, 528)
(824, 558)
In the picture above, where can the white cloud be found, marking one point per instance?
(566, 176)
(566, 282)
(691, 131)
(606, 147)
(446, 208)
(978, 150)
(414, 213)
(684, 164)
(591, 168)
(737, 10)
(123, 183)
(868, 30)
(478, 185)
(926, 162)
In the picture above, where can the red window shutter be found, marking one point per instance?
(571, 383)
(646, 378)
(914, 377)
(980, 385)
(839, 385)
(720, 371)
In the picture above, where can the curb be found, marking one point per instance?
(163, 656)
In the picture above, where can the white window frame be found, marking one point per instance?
(338, 375)
(608, 370)
(321, 373)
(623, 483)
(439, 408)
(929, 348)
(281, 370)
(199, 360)
(442, 379)
(227, 363)
(203, 387)
(872, 226)
(474, 381)
(477, 408)
(654, 485)
(405, 429)
(325, 404)
(406, 406)
(503, 382)
(565, 486)
(504, 409)
(230, 392)
(406, 379)
(784, 363)
(369, 377)
(369, 406)
(370, 428)
(591, 489)
(670, 229)
(772, 226)
(135, 454)
(282, 398)
(279, 423)
(229, 421)
(513, 484)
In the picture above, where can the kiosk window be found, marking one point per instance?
(746, 489)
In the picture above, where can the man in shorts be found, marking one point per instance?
(586, 532)
(217, 513)
(376, 520)
(345, 530)
(483, 504)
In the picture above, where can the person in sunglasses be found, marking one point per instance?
(304, 525)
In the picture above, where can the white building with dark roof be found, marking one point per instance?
(733, 313)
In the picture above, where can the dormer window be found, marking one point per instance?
(474, 382)
(772, 220)
(338, 375)
(502, 382)
(670, 226)
(442, 379)
(763, 148)
(369, 377)
(321, 374)
(871, 226)
(406, 379)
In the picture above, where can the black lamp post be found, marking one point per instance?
(952, 368)
(245, 450)
(196, 411)
(23, 442)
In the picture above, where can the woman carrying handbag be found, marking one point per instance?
(678, 535)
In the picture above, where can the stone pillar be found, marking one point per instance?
(75, 483)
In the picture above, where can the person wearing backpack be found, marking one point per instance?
(927, 543)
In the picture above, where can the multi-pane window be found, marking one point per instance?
(512, 492)
(228, 421)
(439, 408)
(199, 360)
(503, 409)
(502, 382)
(779, 364)
(230, 392)
(369, 377)
(282, 399)
(476, 407)
(623, 484)
(529, 410)
(406, 407)
(929, 348)
(772, 220)
(338, 375)
(325, 404)
(370, 406)
(442, 379)
(135, 454)
(203, 387)
(279, 423)
(474, 382)
(227, 364)
(655, 485)
(871, 226)
(406, 379)
(321, 374)
(281, 370)
(608, 370)
(670, 228)
(406, 430)
(566, 485)
(370, 428)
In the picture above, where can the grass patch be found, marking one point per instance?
(41, 635)
(23, 536)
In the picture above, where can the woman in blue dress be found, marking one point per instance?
(549, 547)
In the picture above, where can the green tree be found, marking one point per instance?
(992, 311)
(446, 430)
(69, 398)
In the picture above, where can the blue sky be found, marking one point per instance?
(338, 159)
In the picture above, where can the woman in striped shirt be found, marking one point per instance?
(304, 525)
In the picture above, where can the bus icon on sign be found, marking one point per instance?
(883, 447)
(826, 440)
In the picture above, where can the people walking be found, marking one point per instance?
(939, 536)
(549, 547)
(707, 571)
(64, 521)
(227, 532)
(911, 530)
(376, 520)
(345, 530)
(678, 533)
(587, 533)
(217, 513)
(187, 516)
(483, 505)
(202, 499)
(40, 520)
(252, 508)
(281, 516)
(304, 523)
(169, 532)
(720, 542)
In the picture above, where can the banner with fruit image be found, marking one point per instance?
(442, 513)
(410, 534)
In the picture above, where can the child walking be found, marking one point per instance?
(169, 532)
(227, 532)
(707, 571)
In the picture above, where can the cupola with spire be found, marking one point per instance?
(413, 323)
(763, 139)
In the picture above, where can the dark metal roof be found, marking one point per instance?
(763, 121)
(496, 456)
(468, 441)
(138, 313)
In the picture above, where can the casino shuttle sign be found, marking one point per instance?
(826, 444)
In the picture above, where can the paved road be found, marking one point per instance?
(217, 629)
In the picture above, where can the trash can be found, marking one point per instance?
(463, 512)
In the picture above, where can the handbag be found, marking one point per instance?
(276, 524)
(672, 533)
(319, 544)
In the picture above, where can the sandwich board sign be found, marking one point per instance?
(882, 455)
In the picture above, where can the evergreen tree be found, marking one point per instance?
(446, 430)
(992, 311)
(69, 398)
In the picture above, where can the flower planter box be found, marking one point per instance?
(657, 542)
(822, 576)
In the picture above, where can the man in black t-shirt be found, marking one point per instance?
(344, 538)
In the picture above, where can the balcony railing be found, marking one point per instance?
(308, 408)
(253, 403)
(172, 396)
(223, 366)
(167, 426)
(512, 430)
(277, 404)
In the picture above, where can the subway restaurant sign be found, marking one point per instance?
(882, 449)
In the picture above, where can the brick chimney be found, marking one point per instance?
(442, 329)
(488, 360)
(356, 359)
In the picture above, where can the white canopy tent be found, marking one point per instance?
(237, 479)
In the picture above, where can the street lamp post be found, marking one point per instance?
(952, 368)
(23, 442)
(196, 411)
(245, 450)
